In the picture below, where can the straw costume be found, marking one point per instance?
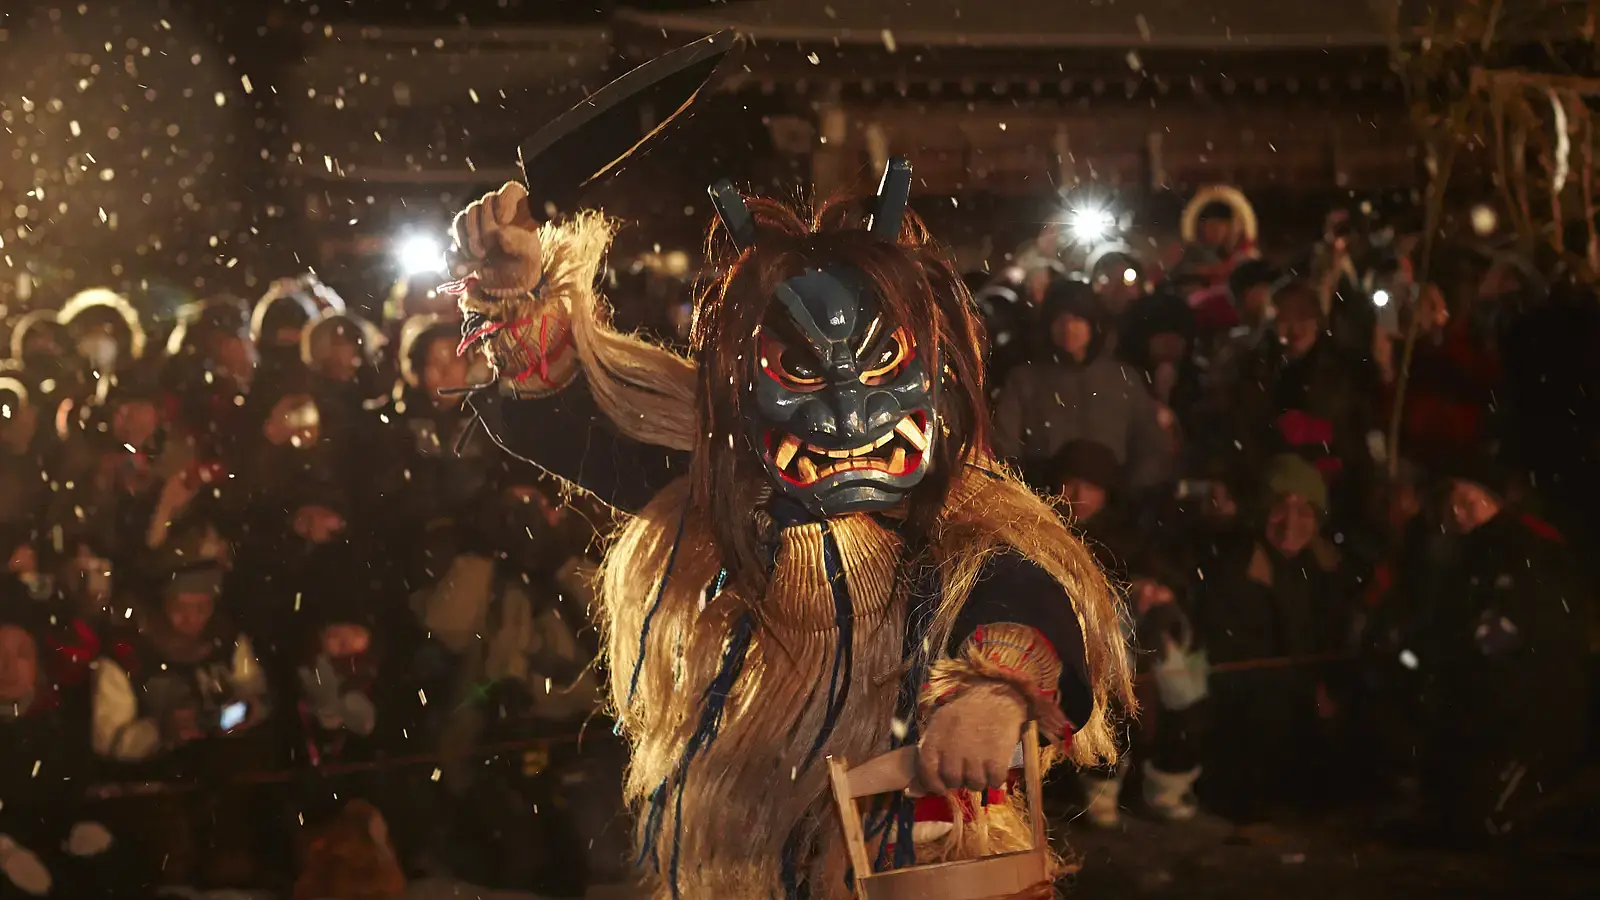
(822, 558)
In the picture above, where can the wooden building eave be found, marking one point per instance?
(909, 31)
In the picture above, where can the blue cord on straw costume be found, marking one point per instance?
(844, 649)
(713, 704)
(661, 591)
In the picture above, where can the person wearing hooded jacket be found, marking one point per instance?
(23, 443)
(1080, 392)
(278, 321)
(48, 847)
(48, 352)
(185, 704)
(105, 329)
(423, 476)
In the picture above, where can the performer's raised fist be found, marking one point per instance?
(497, 238)
(971, 739)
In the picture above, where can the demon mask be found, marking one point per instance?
(842, 401)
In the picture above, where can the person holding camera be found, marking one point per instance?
(180, 708)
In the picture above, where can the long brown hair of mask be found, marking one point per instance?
(917, 287)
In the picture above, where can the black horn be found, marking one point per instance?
(734, 214)
(894, 194)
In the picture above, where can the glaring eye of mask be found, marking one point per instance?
(843, 406)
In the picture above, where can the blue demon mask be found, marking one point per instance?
(841, 405)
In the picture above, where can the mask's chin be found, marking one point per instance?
(829, 480)
(859, 497)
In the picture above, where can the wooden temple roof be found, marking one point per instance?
(1053, 24)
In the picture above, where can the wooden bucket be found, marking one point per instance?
(1022, 874)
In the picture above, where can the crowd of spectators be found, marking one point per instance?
(264, 583)
(1320, 618)
(256, 573)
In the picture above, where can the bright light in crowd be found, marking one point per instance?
(1090, 224)
(420, 255)
(1484, 220)
(1380, 299)
(1129, 276)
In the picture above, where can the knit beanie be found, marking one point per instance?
(1247, 275)
(1089, 461)
(1288, 473)
(1069, 297)
(1483, 469)
(200, 578)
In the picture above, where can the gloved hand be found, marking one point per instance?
(971, 739)
(359, 715)
(88, 839)
(526, 338)
(22, 868)
(497, 238)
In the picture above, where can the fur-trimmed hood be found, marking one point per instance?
(106, 302)
(306, 297)
(45, 319)
(314, 339)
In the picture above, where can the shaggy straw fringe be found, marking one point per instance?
(990, 511)
(749, 789)
(734, 824)
(995, 828)
(646, 389)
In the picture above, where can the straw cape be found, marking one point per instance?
(747, 647)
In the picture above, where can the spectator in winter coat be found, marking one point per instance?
(341, 351)
(198, 677)
(1080, 392)
(23, 492)
(294, 559)
(1087, 477)
(1169, 743)
(1274, 600)
(210, 374)
(1330, 269)
(188, 704)
(1302, 396)
(1158, 336)
(1250, 289)
(1505, 649)
(1450, 390)
(511, 612)
(336, 684)
(423, 477)
(45, 349)
(47, 847)
(105, 330)
(84, 627)
(278, 321)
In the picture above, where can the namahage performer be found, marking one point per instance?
(822, 558)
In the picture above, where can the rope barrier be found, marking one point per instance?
(1268, 662)
(115, 790)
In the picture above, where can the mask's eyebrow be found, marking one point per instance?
(870, 336)
(806, 325)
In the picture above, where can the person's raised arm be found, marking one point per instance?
(519, 295)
